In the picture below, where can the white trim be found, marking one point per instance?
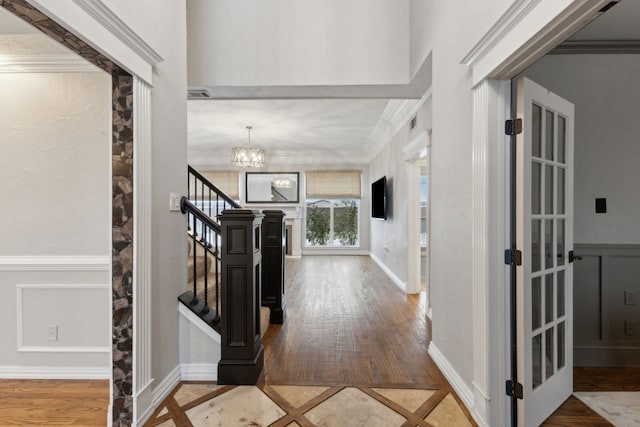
(456, 381)
(143, 399)
(53, 349)
(523, 34)
(490, 204)
(55, 263)
(46, 349)
(80, 22)
(199, 323)
(518, 10)
(116, 26)
(413, 151)
(308, 250)
(61, 63)
(142, 243)
(395, 279)
(199, 371)
(396, 114)
(55, 372)
(417, 148)
(158, 394)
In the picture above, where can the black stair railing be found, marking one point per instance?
(205, 195)
(204, 240)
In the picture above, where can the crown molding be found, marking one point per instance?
(116, 26)
(511, 17)
(577, 47)
(395, 115)
(59, 63)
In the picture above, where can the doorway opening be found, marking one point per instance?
(603, 84)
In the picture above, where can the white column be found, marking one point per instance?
(490, 200)
(142, 246)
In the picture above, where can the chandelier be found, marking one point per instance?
(282, 183)
(248, 157)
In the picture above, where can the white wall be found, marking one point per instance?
(287, 42)
(55, 221)
(448, 30)
(605, 90)
(54, 171)
(389, 237)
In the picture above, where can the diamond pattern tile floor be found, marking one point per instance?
(203, 404)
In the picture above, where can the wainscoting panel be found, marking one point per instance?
(79, 315)
(606, 305)
(57, 317)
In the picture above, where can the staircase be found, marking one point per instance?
(231, 304)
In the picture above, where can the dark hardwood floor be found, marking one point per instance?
(348, 324)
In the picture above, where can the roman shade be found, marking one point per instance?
(333, 184)
(227, 181)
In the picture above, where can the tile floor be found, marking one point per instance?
(621, 408)
(202, 404)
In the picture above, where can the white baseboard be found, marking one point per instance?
(199, 371)
(333, 251)
(395, 279)
(55, 372)
(160, 393)
(458, 384)
(143, 401)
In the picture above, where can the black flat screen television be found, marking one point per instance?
(379, 198)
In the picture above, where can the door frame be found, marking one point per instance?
(524, 33)
(417, 149)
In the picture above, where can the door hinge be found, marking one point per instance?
(513, 127)
(514, 389)
(512, 257)
(573, 257)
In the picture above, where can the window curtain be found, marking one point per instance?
(227, 181)
(333, 184)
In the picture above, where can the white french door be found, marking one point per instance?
(544, 234)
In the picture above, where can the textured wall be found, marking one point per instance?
(54, 171)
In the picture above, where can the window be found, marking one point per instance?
(333, 208)
(333, 222)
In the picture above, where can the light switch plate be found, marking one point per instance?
(174, 202)
(629, 298)
(52, 332)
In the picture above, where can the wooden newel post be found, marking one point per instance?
(273, 246)
(242, 354)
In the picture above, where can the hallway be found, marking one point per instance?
(352, 351)
(348, 324)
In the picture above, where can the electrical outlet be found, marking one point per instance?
(629, 327)
(174, 201)
(52, 332)
(629, 298)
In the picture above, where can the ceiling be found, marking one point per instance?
(621, 22)
(292, 130)
(311, 130)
